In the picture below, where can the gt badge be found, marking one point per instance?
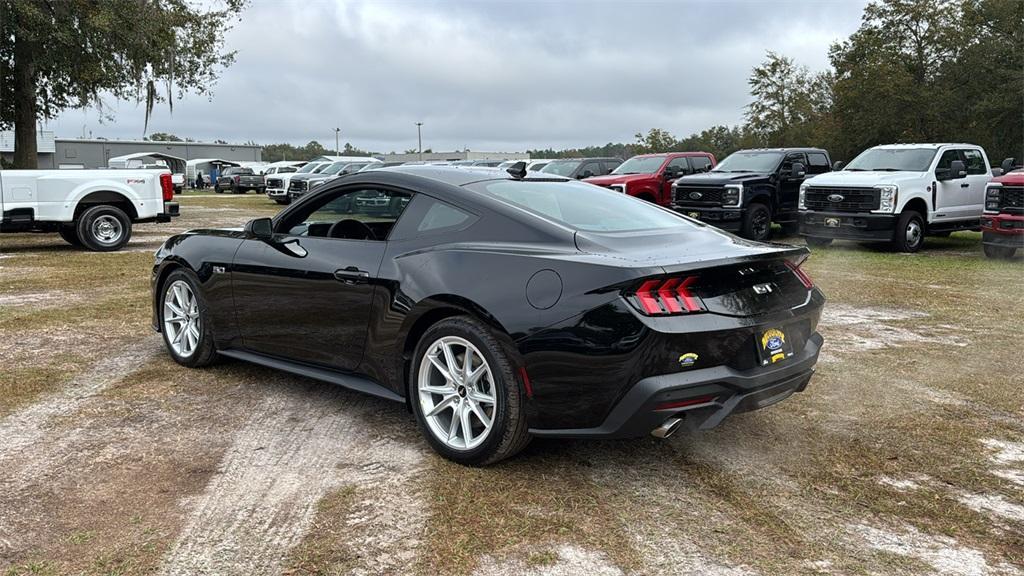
(773, 343)
(688, 360)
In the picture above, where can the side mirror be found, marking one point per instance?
(997, 172)
(957, 169)
(838, 165)
(260, 228)
(672, 172)
(797, 171)
(1007, 164)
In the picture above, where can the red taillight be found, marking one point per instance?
(804, 278)
(668, 296)
(167, 186)
(238, 179)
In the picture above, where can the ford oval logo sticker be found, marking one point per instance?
(836, 197)
(696, 195)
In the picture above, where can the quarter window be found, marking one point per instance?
(440, 216)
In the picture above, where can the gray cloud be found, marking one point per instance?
(488, 75)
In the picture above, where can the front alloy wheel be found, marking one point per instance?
(184, 320)
(456, 393)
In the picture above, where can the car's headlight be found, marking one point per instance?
(733, 195)
(801, 205)
(992, 197)
(887, 197)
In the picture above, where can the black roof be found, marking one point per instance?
(798, 149)
(456, 176)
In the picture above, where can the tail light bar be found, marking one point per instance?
(667, 296)
(797, 269)
(167, 186)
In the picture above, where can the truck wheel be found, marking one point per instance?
(69, 234)
(104, 228)
(757, 223)
(998, 252)
(817, 242)
(909, 235)
(217, 190)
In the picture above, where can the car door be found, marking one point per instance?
(978, 176)
(680, 166)
(306, 295)
(789, 187)
(953, 196)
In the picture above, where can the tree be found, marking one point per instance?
(164, 137)
(68, 54)
(656, 140)
(782, 107)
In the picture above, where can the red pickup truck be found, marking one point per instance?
(650, 176)
(1002, 224)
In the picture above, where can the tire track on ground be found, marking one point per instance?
(302, 441)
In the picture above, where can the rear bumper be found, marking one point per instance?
(727, 391)
(861, 226)
(170, 211)
(1003, 230)
(730, 219)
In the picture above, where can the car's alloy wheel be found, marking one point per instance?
(182, 322)
(456, 393)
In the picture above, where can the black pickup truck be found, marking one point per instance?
(239, 181)
(750, 189)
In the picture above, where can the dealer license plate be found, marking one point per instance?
(832, 222)
(773, 347)
(694, 215)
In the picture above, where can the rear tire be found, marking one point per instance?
(999, 252)
(818, 242)
(444, 405)
(909, 234)
(104, 228)
(757, 223)
(184, 321)
(70, 235)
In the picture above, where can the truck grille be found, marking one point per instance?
(1011, 199)
(699, 195)
(850, 199)
(273, 182)
(297, 186)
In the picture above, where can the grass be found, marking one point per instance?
(324, 550)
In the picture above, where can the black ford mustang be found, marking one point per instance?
(498, 308)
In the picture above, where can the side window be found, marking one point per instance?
(593, 167)
(974, 161)
(817, 163)
(440, 216)
(361, 214)
(681, 165)
(700, 163)
(946, 160)
(787, 164)
(610, 165)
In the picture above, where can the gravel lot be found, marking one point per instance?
(904, 456)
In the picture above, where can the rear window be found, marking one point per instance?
(581, 206)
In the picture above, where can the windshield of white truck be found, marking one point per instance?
(308, 168)
(892, 160)
(750, 162)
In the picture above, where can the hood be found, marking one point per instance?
(617, 179)
(685, 248)
(863, 179)
(721, 178)
(1015, 178)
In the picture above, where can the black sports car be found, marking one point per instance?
(498, 307)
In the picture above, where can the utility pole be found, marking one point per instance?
(419, 139)
(337, 131)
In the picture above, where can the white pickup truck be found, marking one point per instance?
(897, 193)
(90, 208)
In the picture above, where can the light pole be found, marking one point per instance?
(419, 139)
(336, 132)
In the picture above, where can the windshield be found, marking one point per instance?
(561, 167)
(308, 168)
(333, 168)
(750, 162)
(640, 165)
(581, 206)
(892, 160)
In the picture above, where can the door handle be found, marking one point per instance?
(965, 185)
(351, 275)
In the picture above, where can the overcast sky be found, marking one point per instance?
(490, 76)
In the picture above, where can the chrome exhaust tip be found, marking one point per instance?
(667, 428)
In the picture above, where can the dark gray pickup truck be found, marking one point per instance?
(239, 181)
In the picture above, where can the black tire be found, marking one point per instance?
(909, 233)
(103, 228)
(510, 432)
(204, 353)
(998, 252)
(757, 223)
(70, 235)
(818, 242)
(217, 190)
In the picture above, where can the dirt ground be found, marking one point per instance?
(904, 456)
